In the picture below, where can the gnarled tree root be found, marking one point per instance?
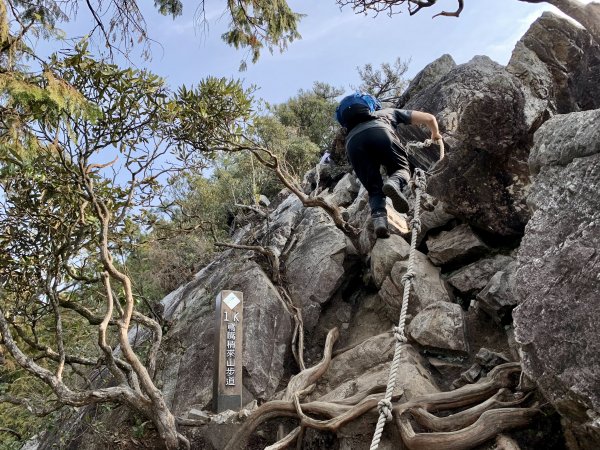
(489, 424)
(489, 411)
(464, 418)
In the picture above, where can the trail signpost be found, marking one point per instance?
(227, 383)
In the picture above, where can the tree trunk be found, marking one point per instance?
(161, 417)
(166, 426)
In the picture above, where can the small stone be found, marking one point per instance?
(489, 359)
(228, 416)
(263, 200)
(468, 377)
(198, 414)
(497, 298)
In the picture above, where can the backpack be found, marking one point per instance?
(348, 115)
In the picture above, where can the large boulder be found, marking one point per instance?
(186, 367)
(345, 191)
(475, 276)
(316, 265)
(427, 287)
(440, 327)
(481, 111)
(430, 220)
(478, 104)
(459, 245)
(557, 281)
(367, 365)
(385, 253)
(559, 63)
(432, 73)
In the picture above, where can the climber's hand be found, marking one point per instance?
(436, 137)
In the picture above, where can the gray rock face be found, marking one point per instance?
(475, 276)
(368, 365)
(384, 255)
(187, 362)
(498, 298)
(558, 144)
(431, 74)
(315, 267)
(538, 84)
(483, 181)
(367, 321)
(457, 245)
(430, 220)
(440, 326)
(282, 220)
(572, 65)
(470, 98)
(345, 191)
(558, 282)
(427, 287)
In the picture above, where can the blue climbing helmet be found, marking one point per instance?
(356, 108)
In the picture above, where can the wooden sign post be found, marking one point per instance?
(227, 383)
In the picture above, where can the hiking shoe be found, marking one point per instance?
(392, 188)
(380, 224)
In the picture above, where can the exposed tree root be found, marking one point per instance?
(490, 410)
(489, 424)
(286, 441)
(463, 418)
(309, 376)
(298, 336)
(499, 377)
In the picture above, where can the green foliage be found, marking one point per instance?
(312, 113)
(211, 116)
(169, 7)
(59, 132)
(387, 82)
(44, 96)
(297, 151)
(256, 24)
(17, 382)
(165, 260)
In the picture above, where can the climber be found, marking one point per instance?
(371, 141)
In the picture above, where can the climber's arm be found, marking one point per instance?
(429, 120)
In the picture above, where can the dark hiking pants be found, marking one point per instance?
(370, 149)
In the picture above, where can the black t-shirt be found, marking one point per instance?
(388, 118)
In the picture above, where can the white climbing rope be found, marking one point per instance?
(427, 143)
(385, 405)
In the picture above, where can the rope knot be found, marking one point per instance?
(399, 335)
(420, 179)
(408, 276)
(416, 224)
(385, 407)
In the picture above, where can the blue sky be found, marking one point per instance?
(334, 42)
